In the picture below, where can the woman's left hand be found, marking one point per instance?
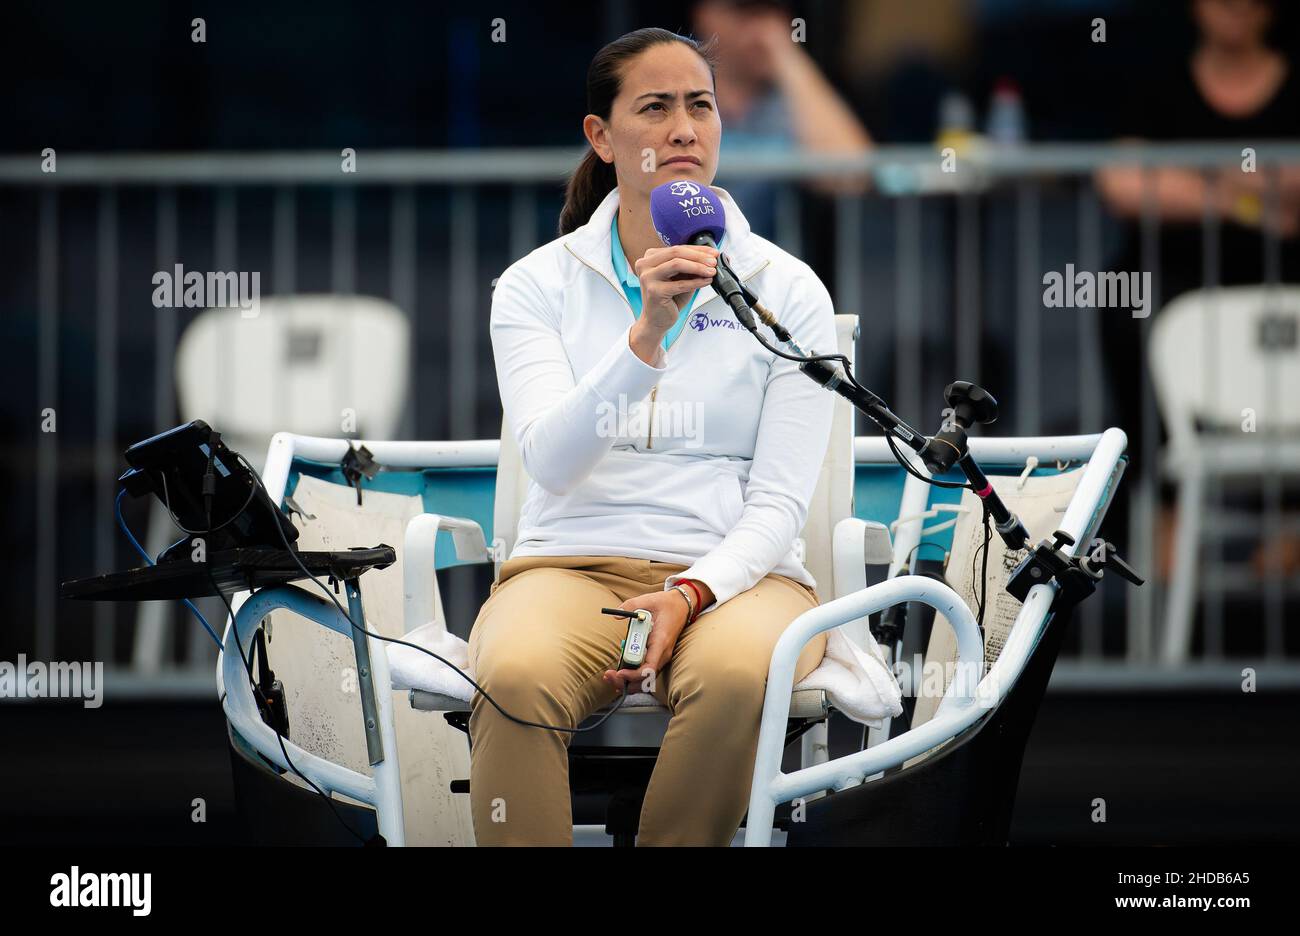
(668, 609)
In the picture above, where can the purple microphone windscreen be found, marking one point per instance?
(680, 210)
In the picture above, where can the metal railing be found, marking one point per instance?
(945, 272)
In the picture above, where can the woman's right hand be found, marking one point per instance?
(668, 276)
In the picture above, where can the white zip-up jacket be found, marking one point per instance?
(709, 460)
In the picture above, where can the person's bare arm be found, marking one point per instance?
(1180, 195)
(822, 121)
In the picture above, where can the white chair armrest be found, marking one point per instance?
(957, 708)
(419, 583)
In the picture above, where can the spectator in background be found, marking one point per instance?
(1234, 86)
(773, 96)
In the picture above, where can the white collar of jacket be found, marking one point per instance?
(591, 243)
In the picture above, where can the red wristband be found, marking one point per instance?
(699, 597)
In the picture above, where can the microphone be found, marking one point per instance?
(686, 212)
(970, 404)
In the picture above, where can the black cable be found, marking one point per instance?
(912, 552)
(984, 571)
(257, 692)
(622, 696)
(248, 665)
(890, 435)
(233, 517)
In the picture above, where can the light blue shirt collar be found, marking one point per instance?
(632, 286)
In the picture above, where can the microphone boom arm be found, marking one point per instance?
(939, 454)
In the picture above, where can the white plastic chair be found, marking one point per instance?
(1220, 360)
(319, 365)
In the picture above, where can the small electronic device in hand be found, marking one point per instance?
(639, 625)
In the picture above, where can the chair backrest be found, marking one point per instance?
(832, 499)
(298, 365)
(1220, 357)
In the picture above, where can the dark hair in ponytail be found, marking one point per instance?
(594, 178)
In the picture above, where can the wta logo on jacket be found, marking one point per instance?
(701, 320)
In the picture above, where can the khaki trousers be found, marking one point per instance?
(540, 646)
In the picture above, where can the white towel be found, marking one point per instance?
(410, 669)
(857, 682)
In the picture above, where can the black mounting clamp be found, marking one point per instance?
(357, 462)
(1077, 575)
